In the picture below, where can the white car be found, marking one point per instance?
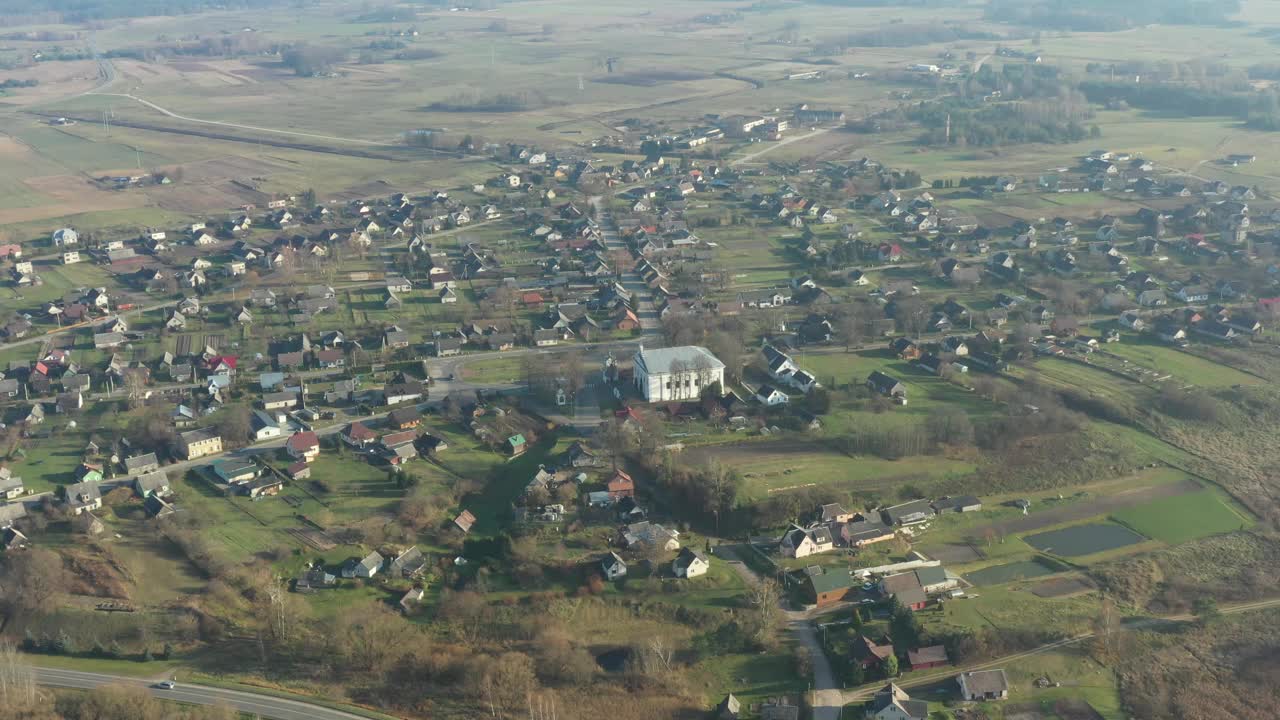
(167, 685)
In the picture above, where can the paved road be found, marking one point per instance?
(264, 706)
(643, 300)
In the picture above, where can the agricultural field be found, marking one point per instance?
(770, 467)
(1183, 518)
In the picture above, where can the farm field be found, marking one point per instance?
(1182, 518)
(770, 467)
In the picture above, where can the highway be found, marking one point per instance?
(264, 706)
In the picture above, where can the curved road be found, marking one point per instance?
(264, 706)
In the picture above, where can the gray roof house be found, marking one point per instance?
(366, 568)
(139, 464)
(984, 685)
(152, 483)
(892, 703)
(613, 566)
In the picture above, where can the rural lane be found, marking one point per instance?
(827, 699)
(264, 706)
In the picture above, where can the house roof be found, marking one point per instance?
(302, 441)
(959, 501)
(663, 360)
(465, 520)
(831, 581)
(984, 681)
(931, 575)
(925, 655)
(688, 557)
(359, 431)
(152, 481)
(137, 461)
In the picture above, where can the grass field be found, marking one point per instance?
(1182, 518)
(495, 370)
(777, 466)
(1183, 365)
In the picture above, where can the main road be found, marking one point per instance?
(263, 706)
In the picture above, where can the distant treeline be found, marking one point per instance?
(1004, 124)
(71, 11)
(1260, 111)
(500, 103)
(902, 35)
(1110, 15)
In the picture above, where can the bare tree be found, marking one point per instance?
(17, 681)
(33, 580)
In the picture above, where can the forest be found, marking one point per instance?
(1110, 15)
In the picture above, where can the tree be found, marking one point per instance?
(309, 60)
(890, 666)
(121, 702)
(235, 424)
(857, 674)
(372, 635)
(905, 629)
(1206, 610)
(33, 580)
(17, 681)
(1106, 628)
(307, 199)
(505, 682)
(766, 614)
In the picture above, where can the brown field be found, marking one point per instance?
(57, 80)
(71, 193)
(651, 78)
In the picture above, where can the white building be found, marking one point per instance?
(65, 237)
(678, 373)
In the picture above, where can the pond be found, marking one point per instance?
(1084, 539)
(1021, 570)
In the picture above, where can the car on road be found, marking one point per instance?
(167, 685)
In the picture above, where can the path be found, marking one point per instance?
(264, 706)
(827, 698)
(781, 143)
(238, 126)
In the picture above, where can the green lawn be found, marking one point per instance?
(495, 370)
(1182, 518)
(776, 466)
(1182, 364)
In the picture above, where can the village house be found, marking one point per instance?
(982, 685)
(613, 567)
(364, 568)
(199, 443)
(893, 703)
(798, 542)
(304, 446)
(82, 497)
(690, 564)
